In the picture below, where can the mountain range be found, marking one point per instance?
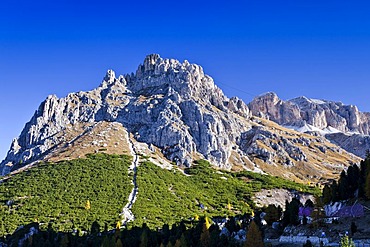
(174, 114)
(343, 125)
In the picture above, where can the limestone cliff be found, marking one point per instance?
(321, 114)
(325, 117)
(172, 105)
(176, 113)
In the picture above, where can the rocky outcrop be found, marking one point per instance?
(357, 144)
(324, 114)
(271, 107)
(279, 197)
(177, 111)
(342, 124)
(172, 105)
(320, 114)
(271, 147)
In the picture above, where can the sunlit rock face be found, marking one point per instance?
(169, 104)
(320, 114)
(176, 111)
(342, 124)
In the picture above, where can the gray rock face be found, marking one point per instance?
(270, 106)
(172, 105)
(357, 144)
(320, 114)
(275, 147)
(178, 110)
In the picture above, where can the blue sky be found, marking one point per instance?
(320, 49)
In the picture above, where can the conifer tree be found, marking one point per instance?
(367, 186)
(308, 244)
(88, 205)
(177, 243)
(119, 243)
(229, 207)
(95, 227)
(118, 225)
(208, 223)
(165, 234)
(334, 191)
(108, 241)
(362, 179)
(273, 213)
(181, 242)
(365, 170)
(346, 242)
(353, 174)
(309, 204)
(64, 242)
(343, 186)
(144, 237)
(254, 237)
(291, 212)
(205, 237)
(326, 194)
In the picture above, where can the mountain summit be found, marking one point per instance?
(176, 112)
(169, 104)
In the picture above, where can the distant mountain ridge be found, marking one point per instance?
(332, 119)
(174, 111)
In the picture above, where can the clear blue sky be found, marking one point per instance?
(320, 49)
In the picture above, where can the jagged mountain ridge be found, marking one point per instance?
(177, 111)
(342, 124)
(156, 104)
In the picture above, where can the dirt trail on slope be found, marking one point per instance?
(127, 214)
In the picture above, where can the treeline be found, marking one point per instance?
(199, 233)
(353, 183)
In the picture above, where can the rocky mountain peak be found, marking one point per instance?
(181, 80)
(110, 76)
(150, 62)
(304, 100)
(110, 79)
(175, 109)
(171, 105)
(269, 96)
(270, 106)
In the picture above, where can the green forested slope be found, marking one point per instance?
(58, 193)
(168, 196)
